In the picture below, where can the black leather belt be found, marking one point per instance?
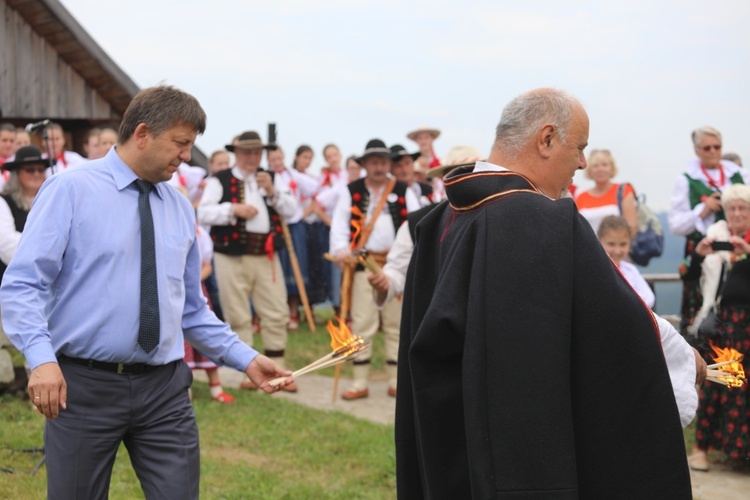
(120, 368)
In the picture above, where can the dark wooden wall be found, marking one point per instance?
(35, 83)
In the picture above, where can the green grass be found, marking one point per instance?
(258, 447)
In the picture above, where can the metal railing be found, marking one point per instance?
(652, 279)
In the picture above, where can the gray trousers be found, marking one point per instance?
(150, 412)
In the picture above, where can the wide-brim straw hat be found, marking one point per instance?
(435, 133)
(375, 147)
(27, 155)
(249, 140)
(398, 152)
(458, 156)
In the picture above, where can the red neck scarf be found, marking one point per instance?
(711, 182)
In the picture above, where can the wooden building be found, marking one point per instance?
(50, 68)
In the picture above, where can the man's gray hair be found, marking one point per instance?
(526, 114)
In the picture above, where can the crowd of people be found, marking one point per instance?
(270, 238)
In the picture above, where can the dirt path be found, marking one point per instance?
(315, 391)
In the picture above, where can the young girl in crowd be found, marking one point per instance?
(614, 235)
(219, 161)
(314, 219)
(332, 173)
(194, 359)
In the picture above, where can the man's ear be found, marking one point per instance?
(140, 134)
(545, 137)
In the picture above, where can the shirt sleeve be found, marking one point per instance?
(340, 223)
(210, 211)
(25, 292)
(203, 329)
(682, 219)
(327, 198)
(639, 284)
(412, 202)
(283, 201)
(307, 185)
(9, 237)
(398, 263)
(681, 365)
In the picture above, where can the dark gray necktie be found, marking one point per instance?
(148, 330)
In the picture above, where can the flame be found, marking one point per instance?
(735, 372)
(343, 342)
(356, 222)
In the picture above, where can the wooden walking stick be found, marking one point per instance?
(298, 275)
(290, 248)
(346, 295)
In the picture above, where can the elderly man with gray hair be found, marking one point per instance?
(696, 204)
(528, 367)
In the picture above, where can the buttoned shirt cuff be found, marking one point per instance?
(39, 354)
(240, 356)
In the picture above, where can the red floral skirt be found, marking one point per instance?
(724, 414)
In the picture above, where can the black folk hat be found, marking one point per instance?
(249, 140)
(375, 147)
(27, 155)
(398, 152)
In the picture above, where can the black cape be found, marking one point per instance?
(528, 367)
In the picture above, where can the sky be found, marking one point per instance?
(347, 71)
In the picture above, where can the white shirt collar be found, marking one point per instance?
(483, 166)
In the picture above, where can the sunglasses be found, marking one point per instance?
(32, 170)
(708, 148)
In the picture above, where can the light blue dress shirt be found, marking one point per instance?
(73, 286)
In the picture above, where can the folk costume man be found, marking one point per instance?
(528, 366)
(100, 310)
(403, 170)
(244, 205)
(366, 217)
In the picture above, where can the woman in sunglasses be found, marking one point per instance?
(27, 173)
(696, 204)
(26, 177)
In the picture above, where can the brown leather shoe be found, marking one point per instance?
(352, 394)
(249, 385)
(392, 392)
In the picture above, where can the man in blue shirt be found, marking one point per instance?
(103, 285)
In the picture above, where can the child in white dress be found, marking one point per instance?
(614, 235)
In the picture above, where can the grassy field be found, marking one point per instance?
(258, 447)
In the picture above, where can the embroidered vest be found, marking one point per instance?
(697, 189)
(19, 217)
(361, 201)
(233, 239)
(427, 191)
